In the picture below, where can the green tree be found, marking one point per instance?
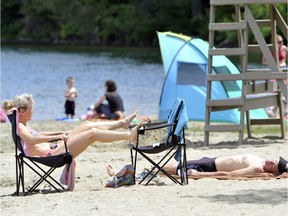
(11, 19)
(114, 22)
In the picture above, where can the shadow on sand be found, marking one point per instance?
(266, 197)
(255, 142)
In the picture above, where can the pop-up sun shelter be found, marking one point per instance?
(185, 62)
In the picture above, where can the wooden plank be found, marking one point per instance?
(269, 121)
(263, 23)
(258, 75)
(224, 77)
(230, 102)
(227, 51)
(260, 101)
(227, 26)
(274, 39)
(283, 87)
(264, 75)
(221, 128)
(255, 48)
(253, 101)
(262, 87)
(260, 70)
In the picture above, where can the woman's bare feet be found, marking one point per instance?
(128, 119)
(110, 170)
(133, 135)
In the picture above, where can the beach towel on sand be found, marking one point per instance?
(124, 177)
(255, 176)
(68, 175)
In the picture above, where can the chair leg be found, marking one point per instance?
(185, 177)
(181, 170)
(19, 174)
(133, 161)
(43, 178)
(159, 167)
(183, 165)
(22, 175)
(183, 145)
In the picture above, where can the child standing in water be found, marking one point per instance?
(70, 95)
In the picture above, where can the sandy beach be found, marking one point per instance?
(200, 197)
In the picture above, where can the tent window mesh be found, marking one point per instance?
(228, 85)
(191, 74)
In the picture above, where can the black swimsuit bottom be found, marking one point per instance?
(204, 164)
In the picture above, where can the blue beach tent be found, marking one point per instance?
(185, 62)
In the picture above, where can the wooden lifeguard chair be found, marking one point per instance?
(257, 89)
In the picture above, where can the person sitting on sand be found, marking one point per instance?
(115, 108)
(238, 165)
(43, 144)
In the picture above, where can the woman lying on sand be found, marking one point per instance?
(42, 144)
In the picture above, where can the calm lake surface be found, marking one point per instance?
(42, 71)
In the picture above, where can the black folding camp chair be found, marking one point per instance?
(52, 162)
(174, 145)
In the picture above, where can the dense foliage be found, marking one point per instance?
(112, 22)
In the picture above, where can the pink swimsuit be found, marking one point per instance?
(53, 145)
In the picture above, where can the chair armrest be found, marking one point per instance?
(149, 124)
(66, 147)
(54, 140)
(156, 127)
(155, 123)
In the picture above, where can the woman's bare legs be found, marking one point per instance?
(79, 142)
(104, 125)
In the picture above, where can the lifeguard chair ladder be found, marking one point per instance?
(254, 94)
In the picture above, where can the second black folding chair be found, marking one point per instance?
(174, 145)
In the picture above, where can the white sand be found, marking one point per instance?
(200, 197)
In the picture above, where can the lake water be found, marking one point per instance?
(42, 71)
